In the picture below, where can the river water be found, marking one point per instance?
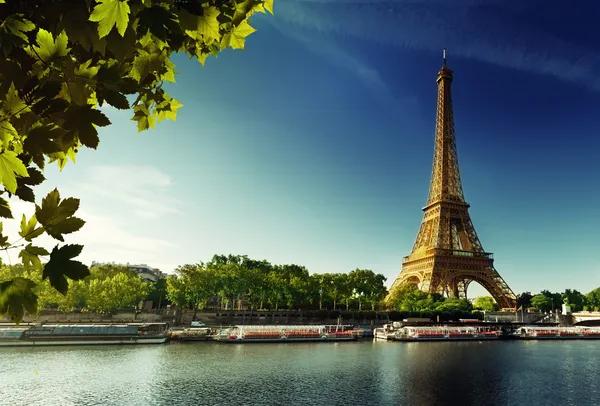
(354, 373)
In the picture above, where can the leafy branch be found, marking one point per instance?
(59, 60)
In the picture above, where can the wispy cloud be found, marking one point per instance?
(327, 48)
(485, 30)
(116, 203)
(142, 189)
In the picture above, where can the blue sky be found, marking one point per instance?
(314, 145)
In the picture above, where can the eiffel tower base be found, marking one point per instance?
(450, 274)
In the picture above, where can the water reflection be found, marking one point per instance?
(365, 373)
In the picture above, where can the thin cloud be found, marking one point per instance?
(103, 238)
(325, 47)
(483, 30)
(142, 189)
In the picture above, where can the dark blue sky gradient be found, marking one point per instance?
(315, 144)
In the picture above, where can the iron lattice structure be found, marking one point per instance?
(447, 255)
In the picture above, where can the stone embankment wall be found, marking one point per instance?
(223, 318)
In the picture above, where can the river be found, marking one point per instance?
(357, 373)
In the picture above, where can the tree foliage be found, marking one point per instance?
(486, 303)
(107, 289)
(236, 281)
(60, 61)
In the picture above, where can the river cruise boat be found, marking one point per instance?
(556, 333)
(436, 333)
(286, 334)
(83, 334)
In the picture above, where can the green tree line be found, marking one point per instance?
(236, 281)
(107, 289)
(60, 61)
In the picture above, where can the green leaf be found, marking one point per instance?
(28, 228)
(17, 26)
(171, 112)
(109, 13)
(237, 37)
(82, 120)
(146, 63)
(204, 27)
(269, 6)
(114, 98)
(5, 209)
(3, 240)
(16, 297)
(48, 48)
(30, 256)
(7, 133)
(9, 166)
(56, 215)
(158, 20)
(61, 266)
(144, 119)
(13, 105)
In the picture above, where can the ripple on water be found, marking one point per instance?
(303, 374)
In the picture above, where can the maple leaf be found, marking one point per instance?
(205, 26)
(16, 297)
(7, 133)
(30, 255)
(171, 113)
(24, 192)
(13, 105)
(269, 6)
(237, 37)
(61, 266)
(5, 209)
(82, 120)
(10, 165)
(56, 216)
(17, 26)
(144, 119)
(110, 13)
(48, 48)
(28, 228)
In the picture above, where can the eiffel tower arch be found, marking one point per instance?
(447, 255)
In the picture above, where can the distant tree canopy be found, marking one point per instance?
(238, 280)
(106, 289)
(60, 60)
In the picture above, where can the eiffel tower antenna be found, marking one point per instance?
(447, 255)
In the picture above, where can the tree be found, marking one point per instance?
(524, 300)
(575, 299)
(593, 300)
(60, 60)
(192, 286)
(158, 294)
(542, 302)
(486, 303)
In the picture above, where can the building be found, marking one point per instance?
(146, 273)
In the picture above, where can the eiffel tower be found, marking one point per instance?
(447, 255)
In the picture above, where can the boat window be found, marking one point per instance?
(63, 330)
(11, 334)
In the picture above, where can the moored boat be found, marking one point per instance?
(436, 333)
(83, 334)
(286, 334)
(556, 333)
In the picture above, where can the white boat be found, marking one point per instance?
(286, 334)
(83, 334)
(556, 333)
(395, 332)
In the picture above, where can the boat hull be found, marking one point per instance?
(84, 341)
(285, 340)
(423, 339)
